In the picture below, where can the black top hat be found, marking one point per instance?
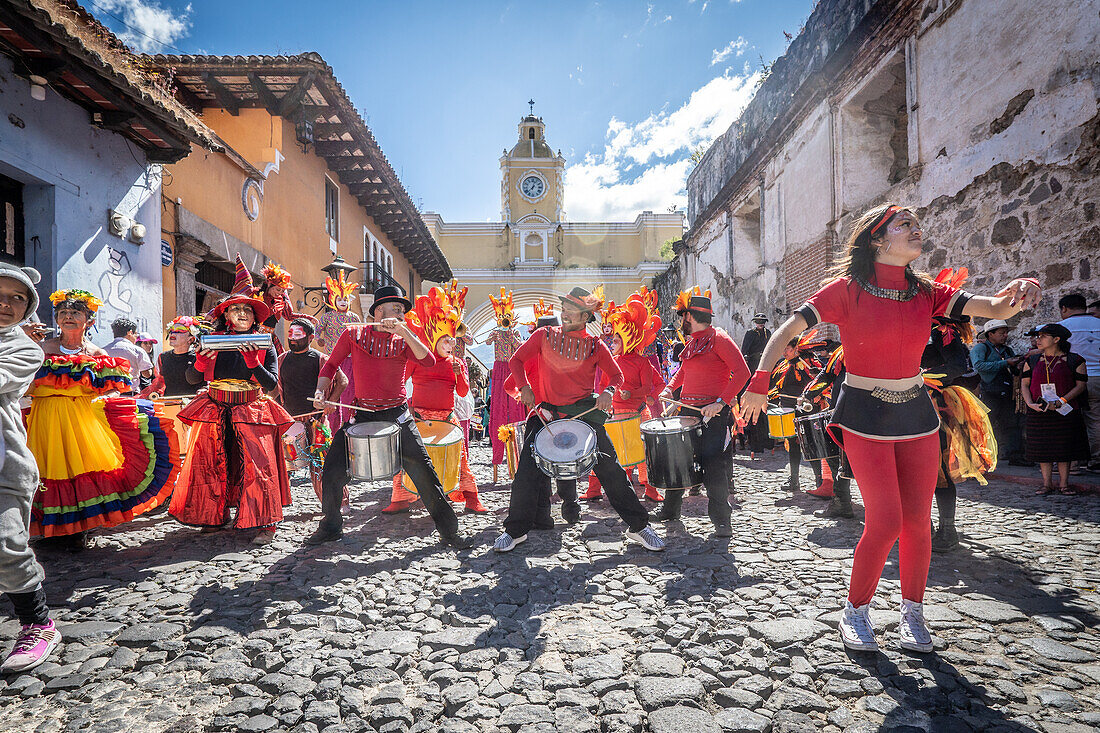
(699, 303)
(760, 317)
(581, 299)
(390, 294)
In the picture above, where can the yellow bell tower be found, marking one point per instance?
(531, 190)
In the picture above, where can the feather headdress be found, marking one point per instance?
(635, 322)
(275, 275)
(339, 287)
(503, 310)
(685, 300)
(433, 316)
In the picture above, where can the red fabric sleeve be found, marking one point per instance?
(760, 382)
(527, 350)
(205, 366)
(941, 298)
(652, 381)
(462, 381)
(606, 362)
(831, 302)
(604, 381)
(429, 358)
(339, 352)
(739, 371)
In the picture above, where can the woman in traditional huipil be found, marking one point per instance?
(103, 459)
(334, 321)
(884, 417)
(236, 455)
(503, 410)
(435, 319)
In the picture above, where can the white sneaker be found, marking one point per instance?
(855, 628)
(648, 539)
(912, 629)
(507, 543)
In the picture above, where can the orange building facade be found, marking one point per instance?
(300, 181)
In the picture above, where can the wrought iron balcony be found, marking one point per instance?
(374, 277)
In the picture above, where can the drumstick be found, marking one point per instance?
(578, 417)
(342, 404)
(307, 414)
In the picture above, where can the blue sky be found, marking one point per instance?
(627, 89)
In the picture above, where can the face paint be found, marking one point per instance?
(296, 333)
(341, 304)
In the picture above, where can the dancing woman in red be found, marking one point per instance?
(884, 416)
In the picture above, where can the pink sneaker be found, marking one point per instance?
(34, 645)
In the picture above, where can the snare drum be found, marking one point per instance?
(565, 449)
(781, 422)
(234, 391)
(626, 436)
(296, 447)
(374, 450)
(444, 443)
(813, 437)
(670, 447)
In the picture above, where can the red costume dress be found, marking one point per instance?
(235, 456)
(884, 417)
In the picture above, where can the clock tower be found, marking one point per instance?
(531, 193)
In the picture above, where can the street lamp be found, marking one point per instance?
(313, 296)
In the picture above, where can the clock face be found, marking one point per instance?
(532, 187)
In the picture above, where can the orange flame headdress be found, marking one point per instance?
(433, 317)
(339, 288)
(275, 275)
(456, 297)
(503, 309)
(955, 279)
(635, 321)
(683, 301)
(543, 309)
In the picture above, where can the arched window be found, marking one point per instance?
(530, 133)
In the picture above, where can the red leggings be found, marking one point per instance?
(897, 480)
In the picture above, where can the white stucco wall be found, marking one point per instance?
(73, 173)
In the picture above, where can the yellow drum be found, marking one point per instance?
(513, 448)
(626, 436)
(781, 422)
(444, 443)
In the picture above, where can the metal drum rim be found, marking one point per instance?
(690, 423)
(392, 428)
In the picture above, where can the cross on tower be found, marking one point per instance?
(532, 103)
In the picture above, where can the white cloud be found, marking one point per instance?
(645, 165)
(736, 46)
(149, 27)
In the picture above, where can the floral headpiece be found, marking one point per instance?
(275, 275)
(192, 325)
(339, 288)
(503, 310)
(635, 321)
(90, 302)
(433, 316)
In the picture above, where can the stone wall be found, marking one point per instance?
(985, 122)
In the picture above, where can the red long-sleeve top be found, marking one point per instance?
(434, 386)
(566, 362)
(882, 338)
(711, 366)
(640, 379)
(380, 362)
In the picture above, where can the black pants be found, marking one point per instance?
(794, 455)
(414, 461)
(531, 487)
(714, 458)
(842, 485)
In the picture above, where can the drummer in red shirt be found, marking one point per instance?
(381, 355)
(435, 320)
(711, 375)
(634, 326)
(567, 358)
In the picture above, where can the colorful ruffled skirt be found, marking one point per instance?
(503, 410)
(102, 462)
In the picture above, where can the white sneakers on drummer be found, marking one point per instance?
(507, 543)
(912, 629)
(855, 628)
(648, 539)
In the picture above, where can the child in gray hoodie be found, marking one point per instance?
(20, 574)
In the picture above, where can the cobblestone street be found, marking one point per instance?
(167, 629)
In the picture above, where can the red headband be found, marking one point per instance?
(886, 216)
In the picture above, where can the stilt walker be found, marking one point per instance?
(334, 321)
(503, 410)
